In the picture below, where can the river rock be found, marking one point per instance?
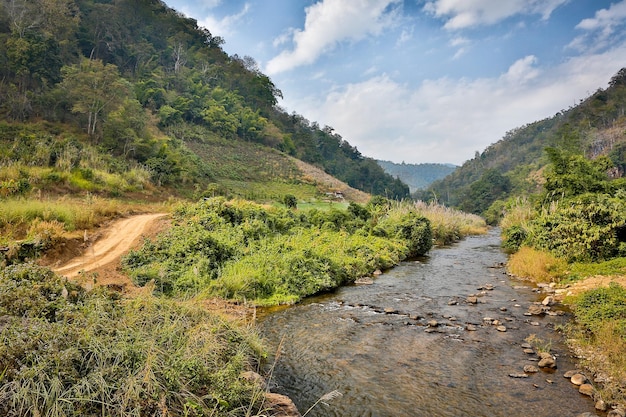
(503, 309)
(364, 281)
(601, 405)
(390, 310)
(530, 369)
(518, 375)
(377, 272)
(472, 299)
(432, 323)
(453, 302)
(569, 374)
(501, 329)
(586, 389)
(470, 328)
(548, 301)
(528, 351)
(280, 405)
(535, 310)
(547, 362)
(526, 345)
(578, 379)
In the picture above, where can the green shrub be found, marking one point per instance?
(242, 250)
(584, 228)
(595, 308)
(64, 352)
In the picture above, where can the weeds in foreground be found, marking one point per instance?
(66, 352)
(538, 344)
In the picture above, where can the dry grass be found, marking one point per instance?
(450, 225)
(537, 266)
(603, 355)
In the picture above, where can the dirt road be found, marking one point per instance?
(117, 240)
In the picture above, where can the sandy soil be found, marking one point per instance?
(595, 282)
(99, 263)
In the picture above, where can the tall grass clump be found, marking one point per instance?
(66, 352)
(600, 329)
(538, 266)
(271, 255)
(450, 225)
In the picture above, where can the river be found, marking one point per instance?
(373, 344)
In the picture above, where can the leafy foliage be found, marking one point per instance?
(242, 250)
(596, 307)
(136, 77)
(65, 352)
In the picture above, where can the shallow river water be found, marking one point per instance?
(393, 364)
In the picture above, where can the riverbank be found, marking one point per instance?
(444, 335)
(596, 333)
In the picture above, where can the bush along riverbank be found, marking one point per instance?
(271, 255)
(575, 237)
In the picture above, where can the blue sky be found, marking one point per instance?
(424, 80)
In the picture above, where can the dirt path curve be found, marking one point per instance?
(117, 240)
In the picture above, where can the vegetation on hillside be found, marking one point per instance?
(96, 92)
(513, 166)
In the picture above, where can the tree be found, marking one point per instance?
(290, 201)
(94, 89)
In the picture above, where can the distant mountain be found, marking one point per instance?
(514, 165)
(417, 176)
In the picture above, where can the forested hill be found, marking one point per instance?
(417, 176)
(513, 166)
(135, 82)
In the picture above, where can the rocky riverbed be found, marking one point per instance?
(446, 335)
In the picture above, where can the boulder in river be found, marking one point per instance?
(472, 299)
(546, 361)
(536, 309)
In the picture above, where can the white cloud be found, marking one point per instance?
(447, 120)
(329, 22)
(601, 29)
(226, 25)
(462, 14)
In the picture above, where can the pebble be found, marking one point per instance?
(548, 362)
(389, 310)
(472, 299)
(526, 345)
(518, 375)
(586, 389)
(601, 405)
(503, 309)
(570, 373)
(530, 369)
(501, 329)
(529, 351)
(534, 323)
(470, 328)
(432, 323)
(578, 379)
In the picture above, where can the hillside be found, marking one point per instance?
(118, 97)
(417, 176)
(513, 165)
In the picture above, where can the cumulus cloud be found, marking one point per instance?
(329, 22)
(447, 120)
(600, 30)
(462, 14)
